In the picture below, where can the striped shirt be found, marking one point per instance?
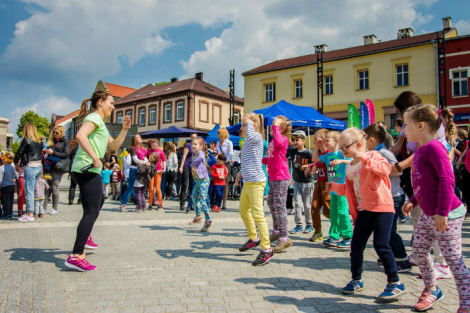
(252, 155)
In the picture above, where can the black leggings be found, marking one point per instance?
(92, 201)
(466, 186)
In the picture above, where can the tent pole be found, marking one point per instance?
(308, 130)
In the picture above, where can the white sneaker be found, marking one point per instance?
(53, 212)
(442, 271)
(25, 218)
(412, 260)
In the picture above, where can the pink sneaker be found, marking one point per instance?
(79, 265)
(90, 244)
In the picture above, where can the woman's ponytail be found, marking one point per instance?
(84, 107)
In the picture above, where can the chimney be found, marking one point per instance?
(447, 22)
(174, 80)
(370, 39)
(199, 76)
(321, 48)
(405, 33)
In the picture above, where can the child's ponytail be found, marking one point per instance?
(448, 122)
(261, 125)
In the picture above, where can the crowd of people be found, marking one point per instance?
(366, 182)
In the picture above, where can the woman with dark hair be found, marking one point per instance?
(404, 151)
(93, 138)
(462, 158)
(138, 154)
(58, 147)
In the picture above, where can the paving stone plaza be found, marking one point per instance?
(156, 262)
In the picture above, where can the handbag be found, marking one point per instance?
(458, 172)
(62, 166)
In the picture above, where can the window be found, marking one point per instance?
(180, 111)
(236, 117)
(142, 117)
(269, 92)
(129, 113)
(329, 85)
(402, 75)
(460, 83)
(168, 112)
(120, 117)
(152, 115)
(363, 80)
(298, 88)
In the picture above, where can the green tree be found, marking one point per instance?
(15, 146)
(41, 123)
(161, 83)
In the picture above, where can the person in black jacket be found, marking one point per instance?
(58, 146)
(73, 184)
(29, 153)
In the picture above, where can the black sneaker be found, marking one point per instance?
(248, 245)
(188, 210)
(404, 267)
(263, 258)
(181, 206)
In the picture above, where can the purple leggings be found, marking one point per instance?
(277, 198)
(140, 197)
(450, 242)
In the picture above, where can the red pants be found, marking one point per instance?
(21, 195)
(155, 183)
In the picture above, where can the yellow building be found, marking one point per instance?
(378, 71)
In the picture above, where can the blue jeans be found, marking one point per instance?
(31, 176)
(163, 185)
(219, 195)
(396, 243)
(210, 194)
(130, 186)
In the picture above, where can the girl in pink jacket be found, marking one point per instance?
(279, 180)
(369, 195)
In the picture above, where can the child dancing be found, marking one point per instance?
(201, 184)
(339, 211)
(279, 181)
(369, 195)
(443, 213)
(254, 182)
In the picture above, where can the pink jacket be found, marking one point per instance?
(276, 157)
(375, 188)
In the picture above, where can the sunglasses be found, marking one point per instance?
(56, 133)
(347, 147)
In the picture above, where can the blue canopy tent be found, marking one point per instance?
(306, 118)
(171, 132)
(212, 136)
(299, 116)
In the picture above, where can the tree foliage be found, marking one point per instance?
(161, 83)
(41, 123)
(14, 146)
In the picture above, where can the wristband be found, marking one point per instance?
(397, 165)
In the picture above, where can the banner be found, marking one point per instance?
(371, 108)
(353, 116)
(364, 115)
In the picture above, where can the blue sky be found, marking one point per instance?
(53, 52)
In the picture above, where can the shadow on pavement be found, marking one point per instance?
(306, 304)
(33, 255)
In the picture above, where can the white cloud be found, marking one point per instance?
(463, 27)
(45, 107)
(262, 32)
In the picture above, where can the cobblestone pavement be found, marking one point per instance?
(156, 262)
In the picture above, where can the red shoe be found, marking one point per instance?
(218, 209)
(20, 213)
(214, 208)
(79, 264)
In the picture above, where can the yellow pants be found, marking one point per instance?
(251, 211)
